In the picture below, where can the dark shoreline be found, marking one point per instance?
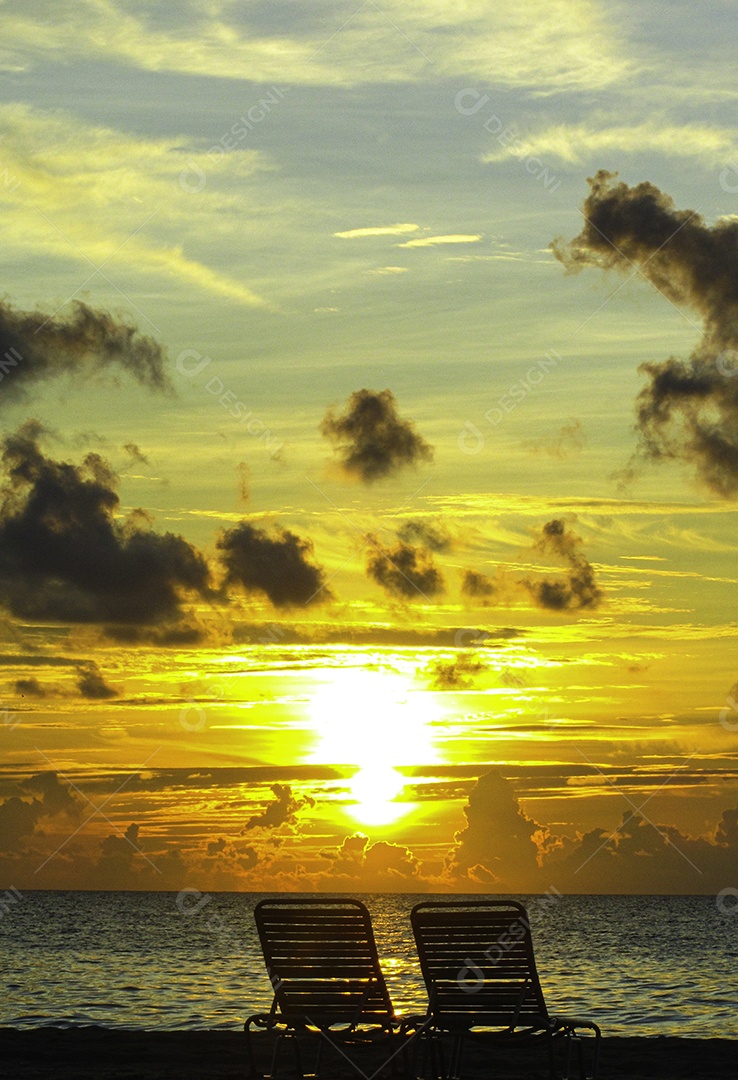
(96, 1053)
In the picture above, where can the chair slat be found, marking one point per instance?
(323, 962)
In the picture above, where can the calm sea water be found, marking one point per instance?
(637, 965)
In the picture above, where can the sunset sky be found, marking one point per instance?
(346, 541)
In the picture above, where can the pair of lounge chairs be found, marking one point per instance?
(479, 969)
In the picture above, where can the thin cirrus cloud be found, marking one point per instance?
(101, 196)
(377, 230)
(568, 44)
(433, 241)
(576, 143)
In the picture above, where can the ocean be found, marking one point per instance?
(638, 965)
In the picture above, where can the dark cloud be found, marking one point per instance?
(173, 636)
(372, 440)
(17, 822)
(349, 857)
(431, 534)
(489, 591)
(216, 847)
(688, 410)
(244, 481)
(64, 556)
(393, 861)
(135, 453)
(92, 685)
(56, 798)
(443, 636)
(456, 674)
(117, 855)
(282, 810)
(247, 857)
(578, 589)
(381, 862)
(278, 565)
(35, 347)
(36, 660)
(405, 571)
(568, 441)
(19, 818)
(32, 687)
(498, 844)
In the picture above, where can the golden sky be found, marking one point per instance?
(369, 390)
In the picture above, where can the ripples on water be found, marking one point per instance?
(637, 965)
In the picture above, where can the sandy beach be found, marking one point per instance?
(94, 1053)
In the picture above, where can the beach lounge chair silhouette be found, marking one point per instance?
(480, 973)
(323, 965)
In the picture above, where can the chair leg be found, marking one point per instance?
(318, 1057)
(275, 1055)
(250, 1056)
(552, 1057)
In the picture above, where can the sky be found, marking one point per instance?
(369, 391)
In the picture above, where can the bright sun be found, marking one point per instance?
(378, 721)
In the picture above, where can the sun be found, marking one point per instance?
(378, 721)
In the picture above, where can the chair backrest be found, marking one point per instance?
(322, 961)
(478, 964)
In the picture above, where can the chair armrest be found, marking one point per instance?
(573, 1022)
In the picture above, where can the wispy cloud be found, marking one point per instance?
(432, 241)
(97, 195)
(378, 230)
(577, 143)
(551, 44)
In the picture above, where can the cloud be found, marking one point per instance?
(92, 685)
(488, 590)
(578, 590)
(498, 837)
(688, 410)
(390, 860)
(283, 809)
(576, 143)
(432, 534)
(135, 453)
(432, 241)
(380, 634)
(35, 347)
(108, 198)
(19, 818)
(244, 482)
(372, 439)
(32, 687)
(456, 674)
(278, 565)
(65, 557)
(643, 856)
(567, 442)
(405, 571)
(372, 864)
(120, 850)
(377, 230)
(568, 45)
(504, 849)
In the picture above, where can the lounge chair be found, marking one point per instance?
(480, 972)
(322, 962)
